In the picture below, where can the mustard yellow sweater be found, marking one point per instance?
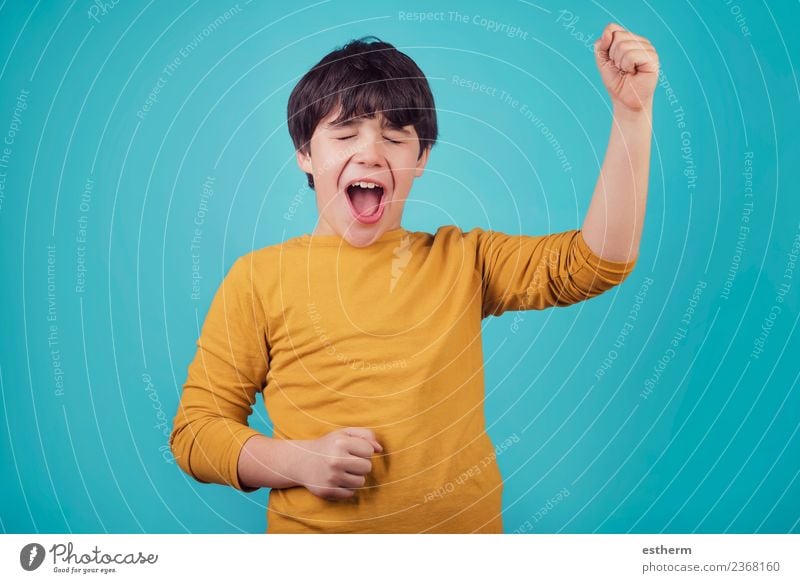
(386, 337)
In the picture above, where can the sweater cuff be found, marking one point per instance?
(599, 264)
(238, 440)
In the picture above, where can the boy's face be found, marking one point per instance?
(361, 150)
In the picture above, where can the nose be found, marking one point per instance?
(369, 152)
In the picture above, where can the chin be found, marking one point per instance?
(358, 238)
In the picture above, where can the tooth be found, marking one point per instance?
(364, 184)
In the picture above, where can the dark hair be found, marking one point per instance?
(365, 78)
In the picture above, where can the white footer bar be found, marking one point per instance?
(391, 557)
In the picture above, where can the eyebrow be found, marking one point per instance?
(355, 121)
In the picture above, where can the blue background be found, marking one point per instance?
(711, 447)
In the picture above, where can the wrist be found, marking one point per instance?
(296, 454)
(626, 115)
(266, 462)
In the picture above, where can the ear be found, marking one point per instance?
(304, 161)
(422, 161)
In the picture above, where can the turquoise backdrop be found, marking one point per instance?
(145, 148)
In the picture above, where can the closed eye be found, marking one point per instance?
(345, 137)
(394, 141)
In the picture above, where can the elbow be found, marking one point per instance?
(616, 278)
(180, 444)
(590, 274)
(591, 280)
(184, 441)
(579, 289)
(207, 447)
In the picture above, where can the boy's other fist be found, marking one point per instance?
(334, 465)
(628, 65)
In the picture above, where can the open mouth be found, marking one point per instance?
(366, 198)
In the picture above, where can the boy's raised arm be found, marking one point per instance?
(527, 272)
(522, 272)
(628, 66)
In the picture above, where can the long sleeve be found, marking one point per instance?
(521, 272)
(228, 369)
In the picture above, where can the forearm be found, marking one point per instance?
(265, 462)
(613, 224)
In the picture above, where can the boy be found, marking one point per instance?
(365, 337)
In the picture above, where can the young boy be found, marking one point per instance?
(364, 337)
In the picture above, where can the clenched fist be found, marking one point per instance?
(628, 65)
(334, 465)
